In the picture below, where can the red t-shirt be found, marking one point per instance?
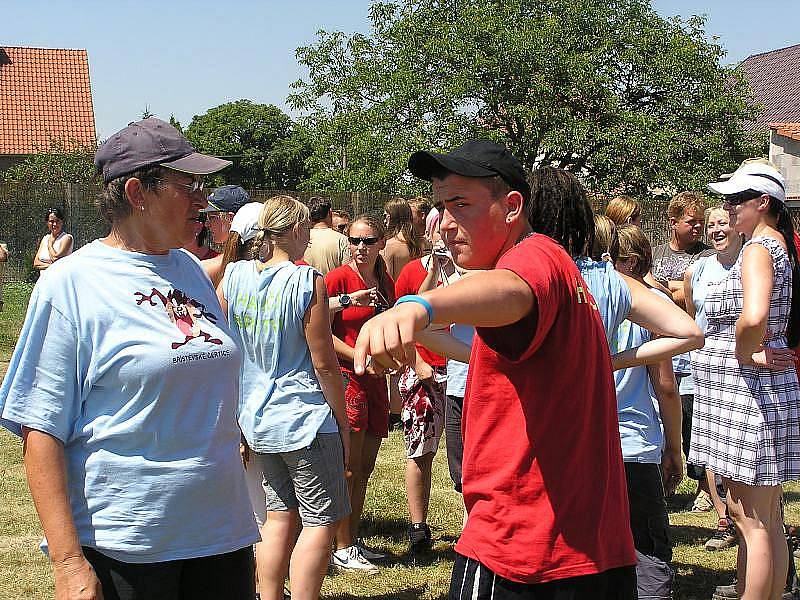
(348, 322)
(408, 281)
(543, 477)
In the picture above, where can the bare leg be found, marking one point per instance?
(780, 550)
(344, 538)
(395, 401)
(310, 561)
(711, 488)
(418, 486)
(752, 510)
(369, 452)
(278, 536)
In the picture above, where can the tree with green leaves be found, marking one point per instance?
(59, 163)
(607, 89)
(267, 149)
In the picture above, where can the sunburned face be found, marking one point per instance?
(719, 229)
(474, 224)
(689, 228)
(744, 216)
(219, 223)
(362, 252)
(172, 211)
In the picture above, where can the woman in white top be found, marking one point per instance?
(56, 244)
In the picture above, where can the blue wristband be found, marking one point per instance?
(418, 300)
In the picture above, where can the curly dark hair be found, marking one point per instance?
(560, 209)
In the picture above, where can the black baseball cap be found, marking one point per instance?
(228, 198)
(475, 158)
(149, 143)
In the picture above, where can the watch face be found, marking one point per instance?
(344, 300)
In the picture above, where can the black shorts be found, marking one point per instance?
(228, 576)
(473, 581)
(687, 404)
(453, 441)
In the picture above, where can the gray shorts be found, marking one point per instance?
(309, 479)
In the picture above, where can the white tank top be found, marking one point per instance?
(44, 255)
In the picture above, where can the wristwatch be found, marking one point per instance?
(345, 300)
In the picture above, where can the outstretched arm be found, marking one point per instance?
(389, 337)
(679, 333)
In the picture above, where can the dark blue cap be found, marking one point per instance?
(228, 198)
(149, 143)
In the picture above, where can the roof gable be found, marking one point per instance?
(790, 130)
(45, 96)
(775, 80)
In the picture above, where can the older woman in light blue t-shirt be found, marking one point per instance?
(291, 399)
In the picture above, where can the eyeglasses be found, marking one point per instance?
(218, 216)
(197, 185)
(369, 241)
(342, 227)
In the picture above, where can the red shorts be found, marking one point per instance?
(367, 401)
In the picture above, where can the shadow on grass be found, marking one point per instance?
(393, 528)
(689, 534)
(412, 593)
(679, 502)
(697, 583)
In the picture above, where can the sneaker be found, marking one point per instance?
(725, 592)
(351, 559)
(702, 503)
(728, 592)
(419, 537)
(367, 552)
(724, 537)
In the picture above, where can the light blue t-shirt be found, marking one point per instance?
(126, 359)
(707, 271)
(457, 370)
(281, 405)
(610, 292)
(640, 429)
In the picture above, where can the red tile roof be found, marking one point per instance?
(790, 130)
(45, 96)
(775, 80)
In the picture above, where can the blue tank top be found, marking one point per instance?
(281, 405)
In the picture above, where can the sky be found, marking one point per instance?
(180, 57)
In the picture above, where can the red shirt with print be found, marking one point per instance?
(543, 477)
(348, 322)
(408, 281)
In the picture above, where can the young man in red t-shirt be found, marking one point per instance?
(543, 477)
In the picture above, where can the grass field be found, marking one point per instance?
(24, 572)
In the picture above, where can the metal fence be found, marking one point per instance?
(23, 209)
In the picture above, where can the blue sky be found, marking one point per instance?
(183, 57)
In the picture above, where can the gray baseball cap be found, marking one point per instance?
(149, 143)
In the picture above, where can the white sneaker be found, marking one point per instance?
(369, 553)
(351, 559)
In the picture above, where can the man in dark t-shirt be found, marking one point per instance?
(670, 261)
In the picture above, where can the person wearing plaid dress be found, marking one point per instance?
(746, 422)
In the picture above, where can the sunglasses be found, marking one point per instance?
(197, 185)
(742, 197)
(369, 241)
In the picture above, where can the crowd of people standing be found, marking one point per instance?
(205, 423)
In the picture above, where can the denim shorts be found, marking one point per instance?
(310, 480)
